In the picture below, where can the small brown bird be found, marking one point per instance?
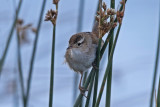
(81, 52)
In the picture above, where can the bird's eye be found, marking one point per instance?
(79, 44)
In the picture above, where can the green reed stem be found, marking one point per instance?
(98, 58)
(90, 90)
(10, 37)
(158, 95)
(75, 81)
(108, 68)
(84, 79)
(109, 79)
(52, 68)
(34, 51)
(20, 68)
(156, 70)
(97, 73)
(52, 65)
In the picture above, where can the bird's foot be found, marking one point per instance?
(82, 90)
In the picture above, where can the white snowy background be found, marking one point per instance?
(134, 56)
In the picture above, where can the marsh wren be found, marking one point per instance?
(81, 52)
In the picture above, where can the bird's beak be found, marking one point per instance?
(69, 47)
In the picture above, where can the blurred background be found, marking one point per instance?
(134, 56)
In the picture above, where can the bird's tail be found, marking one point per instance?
(95, 29)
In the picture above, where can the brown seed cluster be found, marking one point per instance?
(51, 16)
(22, 30)
(106, 18)
(120, 14)
(55, 2)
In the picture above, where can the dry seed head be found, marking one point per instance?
(102, 17)
(98, 13)
(111, 11)
(112, 18)
(104, 6)
(97, 18)
(34, 30)
(108, 11)
(102, 13)
(27, 26)
(51, 16)
(19, 21)
(122, 2)
(22, 31)
(115, 24)
(120, 14)
(55, 2)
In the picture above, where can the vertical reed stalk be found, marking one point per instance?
(90, 90)
(84, 79)
(10, 37)
(108, 68)
(52, 68)
(54, 16)
(34, 52)
(79, 29)
(109, 80)
(20, 68)
(158, 95)
(155, 71)
(98, 58)
(75, 81)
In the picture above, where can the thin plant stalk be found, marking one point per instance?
(75, 80)
(84, 79)
(155, 72)
(79, 29)
(158, 95)
(97, 73)
(108, 68)
(20, 68)
(98, 58)
(90, 90)
(34, 52)
(10, 37)
(52, 64)
(52, 69)
(109, 79)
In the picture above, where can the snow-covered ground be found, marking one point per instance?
(133, 59)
